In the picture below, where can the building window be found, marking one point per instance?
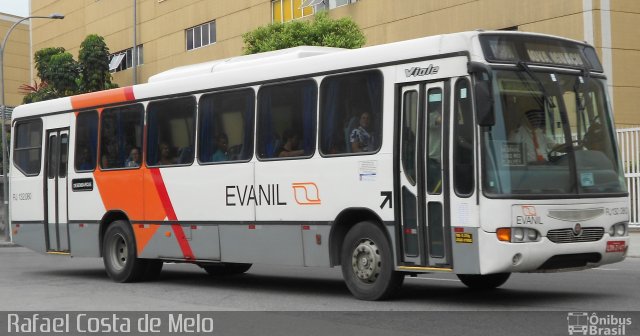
(287, 10)
(202, 35)
(123, 60)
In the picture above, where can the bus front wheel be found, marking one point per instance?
(484, 282)
(119, 254)
(367, 263)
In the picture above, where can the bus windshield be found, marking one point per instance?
(553, 135)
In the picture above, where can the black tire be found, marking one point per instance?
(484, 282)
(367, 263)
(154, 268)
(119, 254)
(226, 268)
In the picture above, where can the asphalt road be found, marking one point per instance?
(277, 300)
(30, 281)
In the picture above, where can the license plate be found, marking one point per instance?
(616, 246)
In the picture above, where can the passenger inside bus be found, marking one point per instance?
(531, 134)
(133, 160)
(222, 147)
(84, 159)
(290, 146)
(165, 155)
(362, 139)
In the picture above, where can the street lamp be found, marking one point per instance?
(5, 179)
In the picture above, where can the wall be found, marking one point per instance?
(16, 58)
(608, 24)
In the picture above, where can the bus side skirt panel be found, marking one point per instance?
(30, 235)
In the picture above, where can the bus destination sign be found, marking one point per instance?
(507, 48)
(553, 55)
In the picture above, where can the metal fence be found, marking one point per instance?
(629, 142)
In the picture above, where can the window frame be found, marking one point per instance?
(321, 107)
(75, 144)
(314, 128)
(455, 130)
(252, 130)
(145, 147)
(15, 150)
(100, 122)
(190, 33)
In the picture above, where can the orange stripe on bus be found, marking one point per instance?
(113, 96)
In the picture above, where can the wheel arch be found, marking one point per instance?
(345, 220)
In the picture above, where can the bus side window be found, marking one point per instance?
(225, 132)
(27, 150)
(120, 132)
(351, 113)
(86, 141)
(463, 143)
(286, 120)
(171, 131)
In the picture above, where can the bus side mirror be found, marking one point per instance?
(484, 104)
(483, 95)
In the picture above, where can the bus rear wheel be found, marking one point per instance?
(367, 263)
(484, 282)
(119, 254)
(226, 268)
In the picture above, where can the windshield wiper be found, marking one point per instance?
(522, 65)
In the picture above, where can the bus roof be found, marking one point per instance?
(258, 68)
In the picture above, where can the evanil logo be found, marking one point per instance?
(581, 323)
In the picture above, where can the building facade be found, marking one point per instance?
(171, 33)
(17, 59)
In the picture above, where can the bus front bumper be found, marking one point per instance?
(547, 256)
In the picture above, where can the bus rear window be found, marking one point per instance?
(28, 147)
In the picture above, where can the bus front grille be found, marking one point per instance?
(562, 236)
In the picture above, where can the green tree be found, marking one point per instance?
(94, 64)
(321, 31)
(42, 59)
(62, 76)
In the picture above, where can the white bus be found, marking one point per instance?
(477, 153)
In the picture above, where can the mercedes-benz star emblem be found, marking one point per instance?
(577, 230)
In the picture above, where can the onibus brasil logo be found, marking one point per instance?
(581, 323)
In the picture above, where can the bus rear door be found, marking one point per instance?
(56, 157)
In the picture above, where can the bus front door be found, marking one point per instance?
(57, 152)
(423, 181)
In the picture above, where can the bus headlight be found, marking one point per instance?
(518, 235)
(618, 230)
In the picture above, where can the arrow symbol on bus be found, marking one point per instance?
(387, 199)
